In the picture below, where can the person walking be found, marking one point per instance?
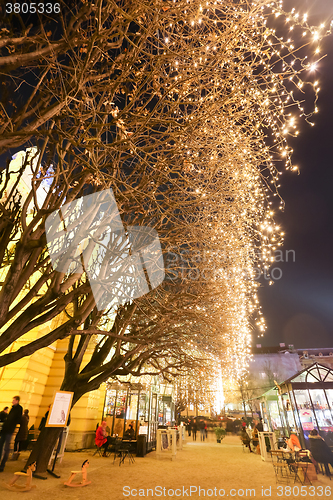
(22, 435)
(194, 429)
(8, 429)
(202, 430)
(189, 425)
(255, 439)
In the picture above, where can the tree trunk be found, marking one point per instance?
(43, 448)
(48, 437)
(244, 406)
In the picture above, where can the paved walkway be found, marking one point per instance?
(201, 470)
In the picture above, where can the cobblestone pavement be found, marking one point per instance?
(201, 470)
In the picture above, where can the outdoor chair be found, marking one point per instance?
(123, 451)
(32, 437)
(287, 470)
(277, 456)
(98, 450)
(284, 473)
(116, 445)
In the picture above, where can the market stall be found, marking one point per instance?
(144, 406)
(302, 403)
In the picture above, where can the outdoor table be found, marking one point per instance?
(126, 450)
(123, 450)
(130, 441)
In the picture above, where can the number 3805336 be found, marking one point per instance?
(32, 8)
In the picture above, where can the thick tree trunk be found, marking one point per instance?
(48, 437)
(42, 450)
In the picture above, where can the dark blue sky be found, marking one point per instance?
(299, 307)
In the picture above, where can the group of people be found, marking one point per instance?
(9, 419)
(193, 426)
(102, 439)
(320, 451)
(246, 438)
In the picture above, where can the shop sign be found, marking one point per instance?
(60, 408)
(306, 420)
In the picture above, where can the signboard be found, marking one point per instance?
(306, 419)
(60, 408)
(307, 426)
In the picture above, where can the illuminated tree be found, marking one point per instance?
(184, 110)
(199, 386)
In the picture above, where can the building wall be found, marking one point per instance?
(36, 379)
(324, 356)
(27, 378)
(197, 410)
(264, 368)
(280, 366)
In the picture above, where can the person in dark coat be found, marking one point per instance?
(319, 449)
(22, 435)
(245, 438)
(8, 429)
(202, 430)
(194, 429)
(129, 433)
(260, 426)
(188, 427)
(4, 414)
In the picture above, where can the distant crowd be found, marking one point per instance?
(197, 425)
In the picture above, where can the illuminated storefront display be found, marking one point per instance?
(302, 403)
(144, 406)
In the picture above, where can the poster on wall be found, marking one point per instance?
(60, 408)
(306, 420)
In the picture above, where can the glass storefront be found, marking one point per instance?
(142, 405)
(303, 403)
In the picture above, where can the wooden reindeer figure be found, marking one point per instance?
(22, 487)
(84, 473)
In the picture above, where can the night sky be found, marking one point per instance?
(298, 308)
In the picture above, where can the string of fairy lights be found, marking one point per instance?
(242, 75)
